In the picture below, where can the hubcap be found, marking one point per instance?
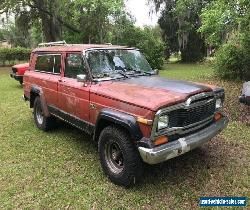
(39, 114)
(114, 157)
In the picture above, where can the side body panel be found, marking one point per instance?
(74, 98)
(99, 103)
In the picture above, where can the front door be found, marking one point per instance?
(73, 95)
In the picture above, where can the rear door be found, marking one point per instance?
(48, 69)
(74, 95)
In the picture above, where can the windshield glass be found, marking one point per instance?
(105, 63)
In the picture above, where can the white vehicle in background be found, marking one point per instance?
(245, 97)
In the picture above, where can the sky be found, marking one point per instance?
(140, 10)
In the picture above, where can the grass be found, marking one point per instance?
(60, 169)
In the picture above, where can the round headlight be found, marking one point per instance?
(163, 122)
(218, 103)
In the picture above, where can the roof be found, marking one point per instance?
(78, 47)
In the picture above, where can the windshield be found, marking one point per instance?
(107, 63)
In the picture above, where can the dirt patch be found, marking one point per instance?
(245, 114)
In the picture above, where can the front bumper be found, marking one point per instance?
(182, 145)
(16, 77)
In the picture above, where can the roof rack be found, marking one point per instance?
(49, 44)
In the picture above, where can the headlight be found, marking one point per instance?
(218, 103)
(163, 122)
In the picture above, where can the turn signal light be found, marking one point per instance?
(161, 140)
(144, 121)
(217, 116)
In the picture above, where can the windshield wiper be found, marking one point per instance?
(101, 75)
(121, 72)
(135, 71)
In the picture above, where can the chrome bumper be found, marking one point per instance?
(15, 76)
(182, 145)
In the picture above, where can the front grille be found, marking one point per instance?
(14, 70)
(187, 116)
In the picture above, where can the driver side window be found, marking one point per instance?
(74, 65)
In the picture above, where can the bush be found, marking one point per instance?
(12, 54)
(153, 50)
(233, 61)
(148, 40)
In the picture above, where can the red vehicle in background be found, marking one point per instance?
(18, 71)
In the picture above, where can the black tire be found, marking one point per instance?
(119, 157)
(21, 81)
(42, 122)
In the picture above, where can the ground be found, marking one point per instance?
(60, 169)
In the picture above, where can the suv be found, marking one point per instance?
(112, 93)
(17, 71)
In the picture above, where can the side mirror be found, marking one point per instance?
(81, 78)
(156, 71)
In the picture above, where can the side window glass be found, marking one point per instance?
(57, 66)
(48, 63)
(74, 66)
(45, 63)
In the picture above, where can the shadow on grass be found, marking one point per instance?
(191, 168)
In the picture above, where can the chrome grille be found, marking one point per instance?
(195, 112)
(186, 116)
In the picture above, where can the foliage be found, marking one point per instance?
(148, 40)
(1, 35)
(88, 19)
(233, 61)
(16, 36)
(152, 47)
(81, 21)
(226, 26)
(179, 21)
(11, 54)
(95, 18)
(222, 20)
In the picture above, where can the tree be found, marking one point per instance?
(47, 11)
(147, 39)
(179, 22)
(224, 19)
(94, 18)
(89, 19)
(226, 25)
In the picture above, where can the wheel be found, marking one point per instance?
(42, 122)
(119, 157)
(21, 81)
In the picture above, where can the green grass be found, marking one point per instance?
(60, 169)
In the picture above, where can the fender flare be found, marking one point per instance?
(36, 90)
(120, 119)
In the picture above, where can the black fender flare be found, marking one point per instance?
(34, 91)
(120, 119)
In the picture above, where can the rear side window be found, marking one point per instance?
(48, 63)
(74, 65)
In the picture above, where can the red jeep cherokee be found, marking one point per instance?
(112, 93)
(17, 71)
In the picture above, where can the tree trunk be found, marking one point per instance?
(50, 25)
(195, 49)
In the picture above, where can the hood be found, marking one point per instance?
(150, 92)
(22, 65)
